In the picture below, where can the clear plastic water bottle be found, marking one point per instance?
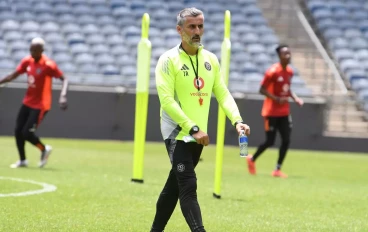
(243, 144)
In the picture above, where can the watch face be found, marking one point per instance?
(195, 129)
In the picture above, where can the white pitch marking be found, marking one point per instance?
(45, 187)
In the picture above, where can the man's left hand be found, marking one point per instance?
(244, 127)
(299, 101)
(63, 102)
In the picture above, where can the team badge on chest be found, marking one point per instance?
(207, 66)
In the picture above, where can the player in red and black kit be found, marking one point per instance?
(276, 110)
(37, 102)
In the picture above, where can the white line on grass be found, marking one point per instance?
(45, 187)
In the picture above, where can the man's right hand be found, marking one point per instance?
(201, 138)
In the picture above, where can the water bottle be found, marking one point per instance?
(243, 144)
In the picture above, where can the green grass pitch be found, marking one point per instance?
(325, 191)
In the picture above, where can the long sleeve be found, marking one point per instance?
(165, 84)
(224, 98)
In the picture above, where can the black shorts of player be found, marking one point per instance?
(283, 124)
(29, 119)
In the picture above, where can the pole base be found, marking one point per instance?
(216, 196)
(137, 181)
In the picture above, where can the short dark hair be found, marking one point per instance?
(280, 46)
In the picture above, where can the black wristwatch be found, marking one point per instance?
(194, 130)
(237, 122)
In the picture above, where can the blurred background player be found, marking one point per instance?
(37, 101)
(276, 109)
(186, 75)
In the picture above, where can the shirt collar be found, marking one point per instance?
(180, 49)
(41, 61)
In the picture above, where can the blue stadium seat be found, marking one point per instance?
(331, 33)
(70, 28)
(75, 38)
(30, 26)
(117, 3)
(3, 54)
(7, 64)
(28, 36)
(351, 33)
(42, 7)
(316, 5)
(362, 55)
(66, 18)
(63, 8)
(255, 49)
(45, 17)
(349, 64)
(110, 70)
(90, 29)
(53, 37)
(343, 54)
(249, 67)
(99, 49)
(252, 10)
(105, 20)
(117, 50)
(67, 67)
(79, 48)
(89, 68)
(84, 58)
(10, 25)
(126, 60)
(355, 73)
(96, 39)
(129, 71)
(48, 27)
(358, 43)
(132, 42)
(62, 57)
(60, 47)
(18, 55)
(86, 19)
(81, 9)
(101, 10)
(105, 59)
(79, 2)
(359, 84)
(12, 35)
(249, 38)
(338, 43)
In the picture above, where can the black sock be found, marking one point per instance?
(282, 153)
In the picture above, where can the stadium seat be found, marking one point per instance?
(84, 58)
(7, 64)
(89, 69)
(62, 57)
(110, 70)
(79, 48)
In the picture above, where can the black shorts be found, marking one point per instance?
(283, 124)
(29, 118)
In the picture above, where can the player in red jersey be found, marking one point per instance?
(37, 102)
(276, 110)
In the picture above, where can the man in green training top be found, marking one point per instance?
(186, 75)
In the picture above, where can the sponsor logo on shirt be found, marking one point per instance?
(198, 83)
(185, 70)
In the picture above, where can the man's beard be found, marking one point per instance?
(189, 40)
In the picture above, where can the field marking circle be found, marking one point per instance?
(45, 188)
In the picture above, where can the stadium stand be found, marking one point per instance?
(97, 39)
(344, 27)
